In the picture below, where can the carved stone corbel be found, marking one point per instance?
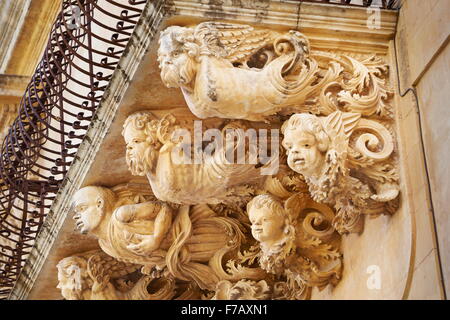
(239, 72)
(185, 243)
(164, 151)
(94, 275)
(347, 162)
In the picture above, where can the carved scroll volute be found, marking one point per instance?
(306, 254)
(316, 220)
(368, 143)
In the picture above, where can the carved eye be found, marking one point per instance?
(306, 145)
(175, 54)
(81, 209)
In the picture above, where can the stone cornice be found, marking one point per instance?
(13, 85)
(329, 27)
(32, 36)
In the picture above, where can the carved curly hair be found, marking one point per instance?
(144, 121)
(308, 123)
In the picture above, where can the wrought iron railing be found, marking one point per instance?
(85, 45)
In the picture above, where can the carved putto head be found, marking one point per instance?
(73, 278)
(306, 143)
(140, 132)
(90, 205)
(270, 222)
(177, 55)
(346, 161)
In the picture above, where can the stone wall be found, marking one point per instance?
(424, 55)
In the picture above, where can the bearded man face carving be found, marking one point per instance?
(176, 56)
(142, 145)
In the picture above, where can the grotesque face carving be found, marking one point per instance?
(73, 280)
(176, 56)
(89, 208)
(305, 143)
(268, 219)
(137, 147)
(142, 143)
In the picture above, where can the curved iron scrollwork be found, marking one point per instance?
(85, 45)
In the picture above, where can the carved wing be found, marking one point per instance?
(341, 123)
(234, 42)
(101, 264)
(133, 192)
(295, 204)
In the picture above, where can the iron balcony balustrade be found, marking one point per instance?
(84, 47)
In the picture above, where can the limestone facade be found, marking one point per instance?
(327, 200)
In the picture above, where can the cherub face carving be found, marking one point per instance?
(265, 225)
(267, 217)
(88, 206)
(305, 143)
(304, 156)
(176, 56)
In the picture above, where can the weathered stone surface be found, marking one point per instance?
(396, 252)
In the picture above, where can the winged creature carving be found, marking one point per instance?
(239, 72)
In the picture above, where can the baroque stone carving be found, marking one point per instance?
(290, 246)
(347, 162)
(191, 244)
(93, 275)
(351, 166)
(175, 174)
(214, 64)
(219, 229)
(242, 290)
(188, 243)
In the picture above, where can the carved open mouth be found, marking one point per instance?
(130, 156)
(299, 161)
(79, 224)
